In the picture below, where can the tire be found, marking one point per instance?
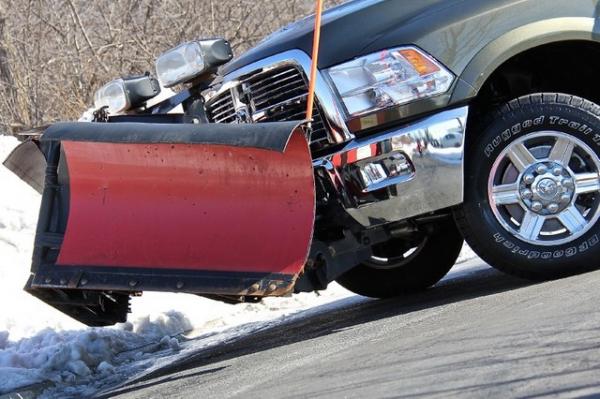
(427, 265)
(532, 187)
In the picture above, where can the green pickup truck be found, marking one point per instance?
(434, 122)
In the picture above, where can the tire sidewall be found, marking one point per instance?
(504, 247)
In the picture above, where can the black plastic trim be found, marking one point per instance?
(270, 136)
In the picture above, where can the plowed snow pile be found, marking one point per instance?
(41, 345)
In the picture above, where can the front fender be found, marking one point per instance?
(516, 41)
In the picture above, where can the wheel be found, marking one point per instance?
(532, 195)
(398, 267)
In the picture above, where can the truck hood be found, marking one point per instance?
(347, 30)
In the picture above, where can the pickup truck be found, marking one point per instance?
(434, 122)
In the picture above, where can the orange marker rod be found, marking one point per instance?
(315, 57)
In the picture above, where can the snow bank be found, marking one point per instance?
(78, 356)
(38, 344)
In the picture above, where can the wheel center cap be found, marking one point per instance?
(547, 188)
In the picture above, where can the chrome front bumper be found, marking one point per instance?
(401, 173)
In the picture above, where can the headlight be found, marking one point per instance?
(390, 77)
(190, 60)
(123, 94)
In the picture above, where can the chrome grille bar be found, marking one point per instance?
(276, 93)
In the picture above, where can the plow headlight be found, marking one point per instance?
(112, 95)
(192, 59)
(123, 94)
(387, 78)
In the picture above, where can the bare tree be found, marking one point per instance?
(55, 53)
(8, 91)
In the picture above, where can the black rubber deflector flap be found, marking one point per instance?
(271, 135)
(28, 162)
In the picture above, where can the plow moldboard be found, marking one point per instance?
(188, 206)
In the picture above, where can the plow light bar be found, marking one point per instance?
(192, 59)
(126, 93)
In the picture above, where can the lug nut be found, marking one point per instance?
(568, 183)
(541, 169)
(553, 208)
(537, 206)
(557, 171)
(528, 179)
(526, 194)
(565, 198)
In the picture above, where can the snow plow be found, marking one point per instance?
(280, 172)
(211, 203)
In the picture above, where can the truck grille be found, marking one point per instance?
(270, 95)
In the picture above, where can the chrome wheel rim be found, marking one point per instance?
(544, 188)
(385, 261)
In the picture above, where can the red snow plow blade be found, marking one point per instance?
(217, 210)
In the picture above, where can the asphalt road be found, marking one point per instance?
(482, 335)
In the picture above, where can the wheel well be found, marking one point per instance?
(569, 67)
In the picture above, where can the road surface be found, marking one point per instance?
(479, 335)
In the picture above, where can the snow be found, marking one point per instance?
(38, 344)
